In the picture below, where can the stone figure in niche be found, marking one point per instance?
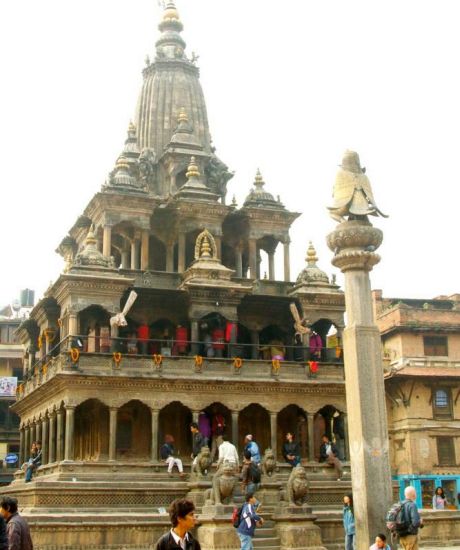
(217, 176)
(147, 168)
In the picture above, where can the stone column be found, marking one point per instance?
(170, 257)
(52, 438)
(69, 432)
(59, 435)
(181, 252)
(45, 441)
(125, 256)
(255, 344)
(311, 436)
(113, 411)
(353, 243)
(218, 241)
(155, 415)
(73, 324)
(239, 262)
(194, 336)
(22, 439)
(107, 241)
(287, 261)
(274, 435)
(235, 437)
(346, 444)
(38, 431)
(253, 258)
(195, 415)
(271, 266)
(135, 254)
(145, 240)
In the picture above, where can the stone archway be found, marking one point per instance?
(91, 440)
(134, 431)
(255, 420)
(330, 421)
(175, 420)
(292, 419)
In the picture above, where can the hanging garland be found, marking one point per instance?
(45, 369)
(276, 364)
(237, 362)
(313, 366)
(74, 355)
(117, 358)
(158, 359)
(198, 360)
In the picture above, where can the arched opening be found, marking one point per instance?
(330, 421)
(162, 332)
(323, 346)
(157, 254)
(134, 431)
(255, 420)
(175, 420)
(95, 327)
(272, 340)
(212, 335)
(220, 423)
(244, 338)
(292, 419)
(91, 441)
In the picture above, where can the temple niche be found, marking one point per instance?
(162, 316)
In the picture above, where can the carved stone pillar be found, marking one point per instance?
(125, 256)
(38, 431)
(69, 432)
(218, 241)
(181, 252)
(287, 261)
(135, 254)
(239, 262)
(145, 249)
(170, 257)
(107, 241)
(346, 450)
(311, 436)
(271, 266)
(274, 434)
(254, 344)
(59, 435)
(195, 415)
(258, 261)
(45, 441)
(52, 438)
(194, 336)
(155, 415)
(253, 258)
(22, 438)
(73, 324)
(235, 432)
(113, 433)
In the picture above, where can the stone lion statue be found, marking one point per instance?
(202, 463)
(223, 484)
(297, 487)
(268, 462)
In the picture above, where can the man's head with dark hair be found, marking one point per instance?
(325, 438)
(249, 496)
(194, 427)
(224, 437)
(179, 509)
(9, 506)
(382, 537)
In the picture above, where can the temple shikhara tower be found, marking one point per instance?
(162, 316)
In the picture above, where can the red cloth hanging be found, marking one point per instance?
(231, 332)
(181, 339)
(218, 335)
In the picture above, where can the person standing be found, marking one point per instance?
(291, 450)
(380, 543)
(250, 475)
(409, 539)
(439, 499)
(251, 446)
(349, 522)
(249, 521)
(183, 520)
(17, 529)
(167, 454)
(328, 453)
(227, 453)
(197, 440)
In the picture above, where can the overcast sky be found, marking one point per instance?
(289, 86)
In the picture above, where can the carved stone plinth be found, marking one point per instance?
(269, 493)
(216, 531)
(297, 530)
(197, 490)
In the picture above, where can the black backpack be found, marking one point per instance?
(254, 473)
(397, 520)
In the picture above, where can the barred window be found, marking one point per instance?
(446, 451)
(442, 403)
(435, 346)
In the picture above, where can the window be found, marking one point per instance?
(446, 451)
(442, 403)
(435, 345)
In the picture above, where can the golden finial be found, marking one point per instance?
(311, 258)
(90, 238)
(193, 171)
(122, 163)
(182, 115)
(259, 181)
(131, 127)
(170, 12)
(205, 251)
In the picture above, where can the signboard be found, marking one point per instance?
(11, 458)
(8, 385)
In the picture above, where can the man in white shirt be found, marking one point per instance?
(227, 453)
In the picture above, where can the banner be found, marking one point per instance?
(8, 385)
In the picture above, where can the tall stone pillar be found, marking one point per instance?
(38, 431)
(271, 265)
(113, 433)
(145, 240)
(346, 442)
(353, 243)
(125, 256)
(155, 415)
(69, 432)
(195, 415)
(52, 438)
(22, 437)
(73, 324)
(194, 336)
(170, 257)
(311, 436)
(59, 435)
(287, 261)
(181, 252)
(45, 441)
(107, 240)
(254, 344)
(235, 430)
(135, 253)
(239, 262)
(253, 258)
(273, 432)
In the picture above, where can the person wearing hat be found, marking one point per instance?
(251, 446)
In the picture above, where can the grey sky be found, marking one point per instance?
(289, 86)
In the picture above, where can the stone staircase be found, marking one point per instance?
(265, 537)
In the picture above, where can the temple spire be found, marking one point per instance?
(170, 45)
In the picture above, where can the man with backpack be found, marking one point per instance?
(250, 474)
(404, 520)
(248, 521)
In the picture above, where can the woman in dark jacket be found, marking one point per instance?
(291, 450)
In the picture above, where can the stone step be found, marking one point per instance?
(266, 543)
(264, 532)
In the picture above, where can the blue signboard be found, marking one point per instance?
(11, 458)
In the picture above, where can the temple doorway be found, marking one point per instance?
(175, 420)
(330, 421)
(134, 431)
(292, 419)
(91, 441)
(255, 420)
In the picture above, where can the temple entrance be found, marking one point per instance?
(216, 414)
(91, 441)
(330, 421)
(175, 420)
(292, 419)
(212, 335)
(134, 429)
(272, 341)
(255, 420)
(95, 328)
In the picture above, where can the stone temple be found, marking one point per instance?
(161, 316)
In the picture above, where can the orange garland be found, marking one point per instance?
(276, 364)
(198, 360)
(117, 357)
(237, 362)
(74, 355)
(157, 359)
